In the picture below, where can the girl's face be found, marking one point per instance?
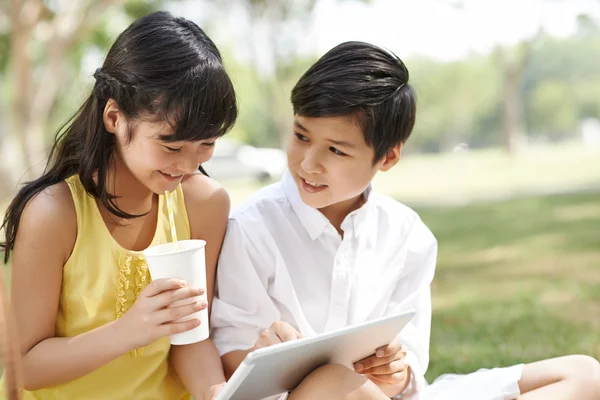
(158, 165)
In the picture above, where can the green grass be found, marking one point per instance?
(459, 178)
(517, 281)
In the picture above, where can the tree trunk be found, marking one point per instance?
(512, 126)
(512, 65)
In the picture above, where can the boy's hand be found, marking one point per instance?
(279, 332)
(386, 365)
(214, 391)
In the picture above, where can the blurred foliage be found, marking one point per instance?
(458, 102)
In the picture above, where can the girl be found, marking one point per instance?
(91, 324)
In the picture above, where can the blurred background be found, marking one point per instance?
(503, 164)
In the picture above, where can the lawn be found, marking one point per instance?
(517, 280)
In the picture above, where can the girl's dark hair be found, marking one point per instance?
(161, 68)
(365, 82)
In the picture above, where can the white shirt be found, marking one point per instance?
(283, 260)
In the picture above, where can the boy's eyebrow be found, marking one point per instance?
(343, 143)
(299, 125)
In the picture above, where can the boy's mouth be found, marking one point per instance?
(312, 187)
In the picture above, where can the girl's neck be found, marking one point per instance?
(132, 196)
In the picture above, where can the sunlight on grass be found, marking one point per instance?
(516, 281)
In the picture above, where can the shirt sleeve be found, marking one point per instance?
(413, 291)
(242, 307)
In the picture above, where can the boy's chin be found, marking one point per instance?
(315, 200)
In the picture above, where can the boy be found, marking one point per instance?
(321, 250)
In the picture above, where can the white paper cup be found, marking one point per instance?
(187, 262)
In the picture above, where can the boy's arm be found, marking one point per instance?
(413, 291)
(242, 307)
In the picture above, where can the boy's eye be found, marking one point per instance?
(337, 152)
(173, 149)
(208, 144)
(300, 137)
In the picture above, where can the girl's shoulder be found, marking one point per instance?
(202, 190)
(51, 214)
(52, 204)
(206, 201)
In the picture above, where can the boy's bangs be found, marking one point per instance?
(200, 108)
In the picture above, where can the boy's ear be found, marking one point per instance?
(391, 158)
(112, 117)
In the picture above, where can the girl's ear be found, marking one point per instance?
(112, 117)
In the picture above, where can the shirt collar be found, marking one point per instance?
(315, 222)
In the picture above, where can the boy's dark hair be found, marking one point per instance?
(161, 68)
(365, 82)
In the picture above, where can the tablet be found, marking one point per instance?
(280, 368)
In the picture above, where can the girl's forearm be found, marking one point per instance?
(199, 367)
(62, 359)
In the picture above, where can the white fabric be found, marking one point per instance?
(283, 260)
(492, 384)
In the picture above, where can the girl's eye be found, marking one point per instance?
(173, 149)
(300, 137)
(209, 144)
(337, 152)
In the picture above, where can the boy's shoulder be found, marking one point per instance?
(393, 209)
(269, 201)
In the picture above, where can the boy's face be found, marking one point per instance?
(330, 161)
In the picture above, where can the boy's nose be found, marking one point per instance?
(311, 163)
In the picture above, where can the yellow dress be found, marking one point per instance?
(101, 281)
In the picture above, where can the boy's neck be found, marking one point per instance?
(336, 213)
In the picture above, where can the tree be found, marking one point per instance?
(270, 42)
(46, 42)
(511, 55)
(275, 30)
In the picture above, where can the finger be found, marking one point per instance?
(167, 298)
(372, 361)
(267, 338)
(387, 369)
(392, 379)
(285, 331)
(174, 328)
(394, 347)
(160, 285)
(376, 378)
(171, 314)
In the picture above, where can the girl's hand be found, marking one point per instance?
(154, 314)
